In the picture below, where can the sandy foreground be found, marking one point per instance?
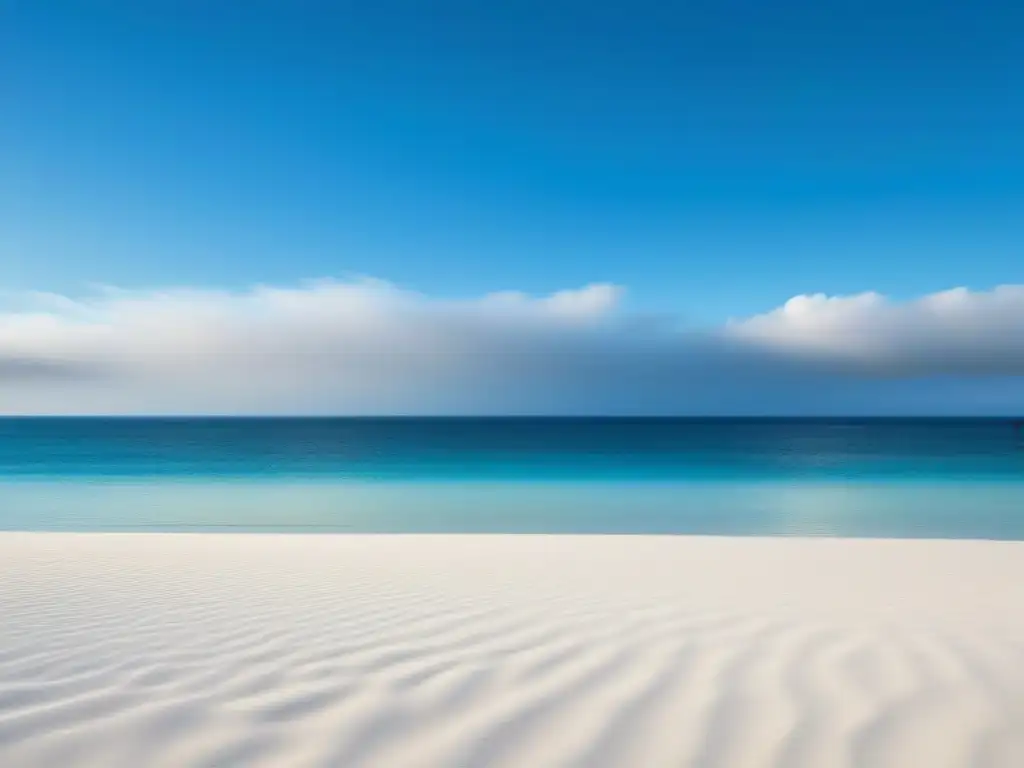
(183, 650)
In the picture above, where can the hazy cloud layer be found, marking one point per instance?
(369, 347)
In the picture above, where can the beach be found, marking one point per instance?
(405, 651)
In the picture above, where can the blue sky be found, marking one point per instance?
(715, 158)
(573, 207)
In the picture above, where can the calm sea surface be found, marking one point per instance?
(851, 477)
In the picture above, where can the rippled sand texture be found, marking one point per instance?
(173, 650)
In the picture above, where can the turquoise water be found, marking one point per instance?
(919, 478)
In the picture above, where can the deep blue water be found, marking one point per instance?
(877, 477)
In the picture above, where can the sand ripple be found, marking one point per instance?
(143, 650)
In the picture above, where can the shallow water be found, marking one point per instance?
(905, 478)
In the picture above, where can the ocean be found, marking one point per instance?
(948, 478)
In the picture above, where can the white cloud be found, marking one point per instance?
(952, 332)
(370, 347)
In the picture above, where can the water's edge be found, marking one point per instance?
(885, 510)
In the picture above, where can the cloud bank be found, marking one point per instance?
(953, 332)
(368, 347)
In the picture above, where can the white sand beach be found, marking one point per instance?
(290, 651)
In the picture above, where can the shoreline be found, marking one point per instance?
(984, 511)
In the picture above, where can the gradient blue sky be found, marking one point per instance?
(576, 207)
(715, 157)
